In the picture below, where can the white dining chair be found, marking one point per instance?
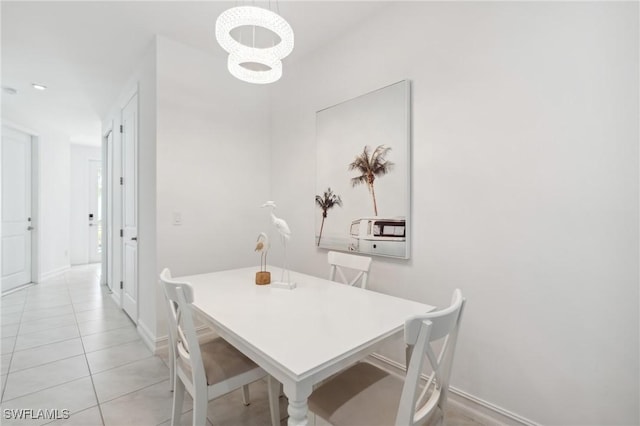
(365, 395)
(208, 369)
(172, 308)
(342, 264)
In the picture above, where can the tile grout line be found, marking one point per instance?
(45, 344)
(100, 403)
(13, 350)
(89, 370)
(105, 331)
(80, 335)
(86, 360)
(47, 363)
(69, 288)
(121, 365)
(110, 346)
(20, 323)
(44, 318)
(47, 388)
(132, 392)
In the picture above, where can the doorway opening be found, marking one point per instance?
(86, 204)
(95, 211)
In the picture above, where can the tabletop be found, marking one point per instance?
(303, 329)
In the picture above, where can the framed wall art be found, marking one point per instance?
(363, 173)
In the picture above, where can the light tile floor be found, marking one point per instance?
(67, 346)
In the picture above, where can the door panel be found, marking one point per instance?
(130, 208)
(13, 256)
(16, 209)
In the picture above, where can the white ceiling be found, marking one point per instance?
(84, 51)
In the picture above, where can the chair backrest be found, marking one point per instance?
(420, 332)
(182, 331)
(339, 262)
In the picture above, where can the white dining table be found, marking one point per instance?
(303, 335)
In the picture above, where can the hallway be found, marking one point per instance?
(67, 348)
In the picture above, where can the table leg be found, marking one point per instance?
(298, 409)
(298, 413)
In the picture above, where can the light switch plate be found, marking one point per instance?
(177, 218)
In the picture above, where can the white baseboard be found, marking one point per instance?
(116, 298)
(147, 336)
(471, 406)
(484, 411)
(13, 290)
(160, 344)
(53, 273)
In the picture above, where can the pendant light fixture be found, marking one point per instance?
(268, 59)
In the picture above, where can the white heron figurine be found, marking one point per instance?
(262, 246)
(285, 234)
(280, 224)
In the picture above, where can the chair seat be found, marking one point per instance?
(362, 395)
(365, 395)
(221, 361)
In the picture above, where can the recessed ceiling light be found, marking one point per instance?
(39, 86)
(9, 90)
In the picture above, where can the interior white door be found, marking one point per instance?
(16, 209)
(130, 208)
(95, 211)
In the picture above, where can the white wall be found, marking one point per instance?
(525, 189)
(212, 163)
(79, 212)
(54, 201)
(147, 234)
(203, 153)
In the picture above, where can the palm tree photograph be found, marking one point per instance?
(371, 166)
(326, 202)
(361, 143)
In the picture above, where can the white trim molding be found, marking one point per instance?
(116, 298)
(160, 344)
(473, 407)
(484, 411)
(13, 290)
(147, 336)
(53, 273)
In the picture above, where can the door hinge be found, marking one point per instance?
(121, 181)
(121, 284)
(121, 128)
(121, 233)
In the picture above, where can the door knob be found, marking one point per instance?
(29, 228)
(134, 238)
